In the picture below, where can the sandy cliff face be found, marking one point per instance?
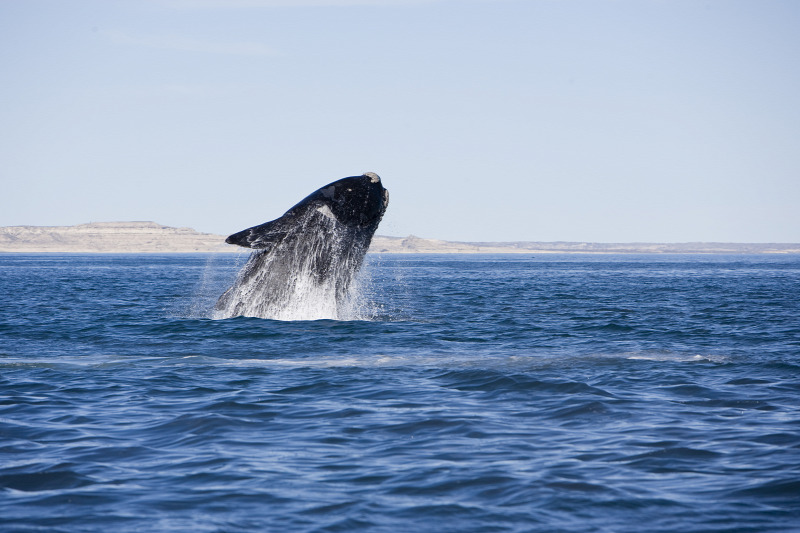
(151, 237)
(108, 237)
(416, 245)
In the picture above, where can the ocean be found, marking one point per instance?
(466, 393)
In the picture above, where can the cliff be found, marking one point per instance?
(109, 237)
(150, 237)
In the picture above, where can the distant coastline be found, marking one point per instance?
(151, 237)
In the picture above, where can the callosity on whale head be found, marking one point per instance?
(304, 262)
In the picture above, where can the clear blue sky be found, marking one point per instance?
(594, 120)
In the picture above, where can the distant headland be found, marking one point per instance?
(151, 237)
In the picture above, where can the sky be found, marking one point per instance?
(487, 120)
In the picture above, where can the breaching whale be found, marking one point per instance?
(305, 261)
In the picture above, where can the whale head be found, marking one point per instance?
(355, 202)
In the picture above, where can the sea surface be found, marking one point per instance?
(469, 393)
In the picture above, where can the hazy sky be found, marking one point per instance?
(595, 120)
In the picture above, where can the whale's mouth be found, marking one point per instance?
(385, 198)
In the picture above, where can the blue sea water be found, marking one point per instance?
(524, 393)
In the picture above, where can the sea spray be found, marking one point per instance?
(306, 260)
(216, 273)
(307, 276)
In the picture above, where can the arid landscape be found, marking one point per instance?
(151, 237)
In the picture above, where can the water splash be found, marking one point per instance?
(309, 275)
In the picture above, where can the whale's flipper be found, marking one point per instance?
(261, 236)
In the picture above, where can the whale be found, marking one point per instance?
(303, 263)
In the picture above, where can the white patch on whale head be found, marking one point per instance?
(373, 178)
(325, 210)
(327, 192)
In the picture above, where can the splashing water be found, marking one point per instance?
(309, 275)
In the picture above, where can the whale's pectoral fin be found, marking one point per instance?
(262, 236)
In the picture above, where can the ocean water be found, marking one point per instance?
(524, 393)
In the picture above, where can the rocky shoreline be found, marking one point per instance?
(151, 237)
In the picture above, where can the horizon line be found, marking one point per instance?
(412, 236)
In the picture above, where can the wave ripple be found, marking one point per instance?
(545, 394)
